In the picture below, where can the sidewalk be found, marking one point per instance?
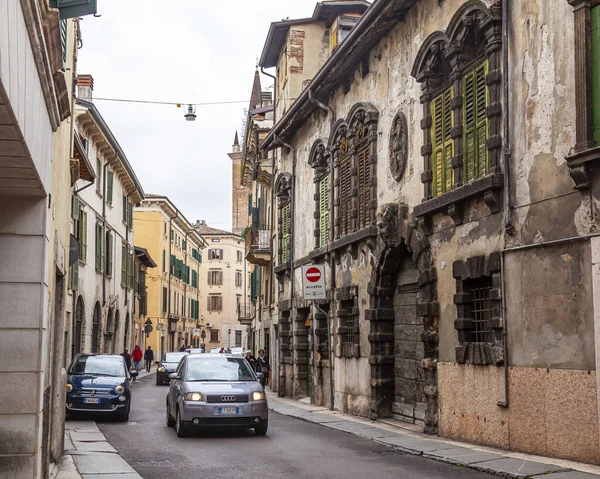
(88, 454)
(493, 461)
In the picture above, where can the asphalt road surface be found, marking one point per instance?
(292, 448)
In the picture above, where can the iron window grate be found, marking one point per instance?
(482, 310)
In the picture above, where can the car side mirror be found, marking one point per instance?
(260, 376)
(173, 376)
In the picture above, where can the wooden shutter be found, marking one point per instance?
(83, 236)
(164, 300)
(129, 215)
(131, 270)
(345, 208)
(75, 208)
(209, 306)
(109, 254)
(324, 211)
(220, 303)
(109, 187)
(596, 74)
(285, 233)
(125, 209)
(123, 265)
(210, 278)
(475, 123)
(443, 145)
(74, 277)
(220, 277)
(364, 184)
(99, 244)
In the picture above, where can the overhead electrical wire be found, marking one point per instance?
(178, 104)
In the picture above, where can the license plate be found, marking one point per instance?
(91, 401)
(229, 410)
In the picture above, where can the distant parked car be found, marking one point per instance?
(167, 366)
(194, 351)
(99, 383)
(239, 351)
(215, 350)
(216, 391)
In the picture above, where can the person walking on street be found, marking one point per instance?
(149, 358)
(263, 366)
(127, 358)
(137, 356)
(251, 360)
(182, 348)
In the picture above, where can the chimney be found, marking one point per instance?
(85, 87)
(267, 98)
(200, 222)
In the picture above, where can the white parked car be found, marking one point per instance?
(239, 351)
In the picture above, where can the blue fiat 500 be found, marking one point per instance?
(99, 384)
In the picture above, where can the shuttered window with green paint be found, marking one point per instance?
(165, 296)
(109, 253)
(109, 187)
(443, 145)
(285, 233)
(124, 265)
(99, 247)
(475, 123)
(596, 74)
(324, 211)
(82, 236)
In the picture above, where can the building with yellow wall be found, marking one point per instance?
(173, 305)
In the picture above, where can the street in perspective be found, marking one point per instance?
(311, 239)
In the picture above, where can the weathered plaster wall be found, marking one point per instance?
(552, 412)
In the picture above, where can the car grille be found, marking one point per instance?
(229, 398)
(91, 407)
(226, 421)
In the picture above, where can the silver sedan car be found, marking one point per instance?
(216, 391)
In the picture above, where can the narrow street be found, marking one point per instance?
(292, 448)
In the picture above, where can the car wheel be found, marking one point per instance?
(261, 429)
(180, 426)
(170, 420)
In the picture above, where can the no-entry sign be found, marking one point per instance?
(313, 282)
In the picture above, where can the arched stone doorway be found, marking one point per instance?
(77, 330)
(109, 333)
(404, 322)
(96, 328)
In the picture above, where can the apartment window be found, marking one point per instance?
(165, 297)
(164, 261)
(127, 212)
(215, 254)
(214, 336)
(215, 303)
(349, 330)
(99, 246)
(109, 187)
(238, 339)
(238, 279)
(98, 176)
(165, 228)
(215, 277)
(443, 144)
(109, 253)
(196, 255)
(124, 264)
(285, 233)
(82, 236)
(240, 256)
(595, 49)
(481, 305)
(194, 279)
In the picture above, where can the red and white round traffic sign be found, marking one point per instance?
(313, 275)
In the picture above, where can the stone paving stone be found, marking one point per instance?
(325, 418)
(414, 445)
(461, 455)
(516, 467)
(87, 436)
(570, 475)
(94, 446)
(359, 428)
(102, 464)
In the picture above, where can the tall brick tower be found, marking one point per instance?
(239, 206)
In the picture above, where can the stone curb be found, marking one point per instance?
(421, 445)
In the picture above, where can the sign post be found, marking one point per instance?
(313, 289)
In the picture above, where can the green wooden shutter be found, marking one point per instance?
(75, 208)
(286, 233)
(129, 215)
(345, 210)
(475, 123)
(324, 211)
(125, 202)
(99, 247)
(123, 265)
(364, 183)
(131, 270)
(442, 143)
(596, 74)
(109, 254)
(109, 187)
(83, 236)
(74, 277)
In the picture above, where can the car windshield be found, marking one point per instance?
(173, 357)
(218, 369)
(98, 366)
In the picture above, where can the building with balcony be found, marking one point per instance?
(173, 287)
(224, 286)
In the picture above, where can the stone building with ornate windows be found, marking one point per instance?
(450, 152)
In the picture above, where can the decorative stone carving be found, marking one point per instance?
(283, 188)
(399, 146)
(387, 224)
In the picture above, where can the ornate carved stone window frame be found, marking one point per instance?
(585, 153)
(442, 54)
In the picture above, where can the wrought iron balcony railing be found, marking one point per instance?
(246, 312)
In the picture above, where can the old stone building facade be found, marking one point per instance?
(435, 164)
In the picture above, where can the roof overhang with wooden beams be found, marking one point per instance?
(379, 19)
(94, 128)
(144, 257)
(81, 168)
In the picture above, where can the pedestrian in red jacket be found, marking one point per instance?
(136, 357)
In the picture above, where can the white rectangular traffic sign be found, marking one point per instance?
(313, 282)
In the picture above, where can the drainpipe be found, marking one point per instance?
(169, 288)
(508, 226)
(185, 256)
(321, 105)
(104, 189)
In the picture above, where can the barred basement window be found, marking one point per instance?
(443, 144)
(475, 123)
(349, 328)
(481, 309)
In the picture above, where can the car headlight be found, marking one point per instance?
(119, 390)
(193, 397)
(258, 396)
(69, 388)
(161, 370)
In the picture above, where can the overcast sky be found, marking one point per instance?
(180, 51)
